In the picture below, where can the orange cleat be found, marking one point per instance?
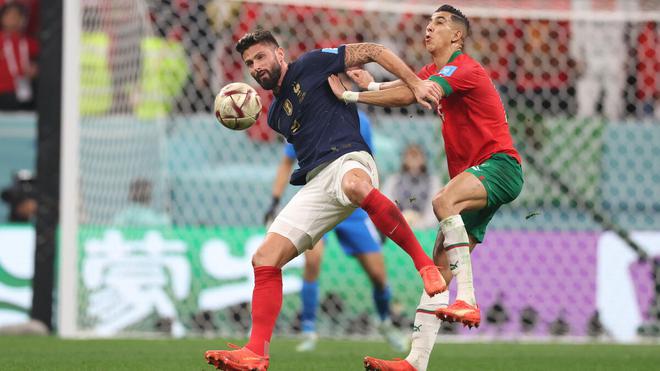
(240, 359)
(433, 281)
(462, 312)
(375, 364)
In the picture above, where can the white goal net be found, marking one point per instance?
(171, 204)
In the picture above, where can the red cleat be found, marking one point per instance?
(460, 311)
(240, 359)
(375, 364)
(433, 281)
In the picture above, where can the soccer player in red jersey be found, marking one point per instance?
(484, 167)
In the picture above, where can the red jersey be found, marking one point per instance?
(16, 52)
(474, 122)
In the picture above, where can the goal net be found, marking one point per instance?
(170, 205)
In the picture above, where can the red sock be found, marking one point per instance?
(389, 220)
(266, 305)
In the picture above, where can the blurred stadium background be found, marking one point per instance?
(161, 207)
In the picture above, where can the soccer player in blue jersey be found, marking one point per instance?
(358, 238)
(336, 170)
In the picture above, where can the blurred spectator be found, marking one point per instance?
(21, 198)
(187, 22)
(163, 76)
(600, 54)
(648, 69)
(412, 188)
(139, 212)
(124, 23)
(541, 66)
(32, 15)
(95, 76)
(18, 68)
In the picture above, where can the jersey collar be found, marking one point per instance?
(454, 56)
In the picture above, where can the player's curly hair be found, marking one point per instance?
(257, 36)
(456, 16)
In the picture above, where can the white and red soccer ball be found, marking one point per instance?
(237, 106)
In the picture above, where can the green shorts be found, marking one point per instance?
(502, 176)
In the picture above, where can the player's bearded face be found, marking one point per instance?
(268, 76)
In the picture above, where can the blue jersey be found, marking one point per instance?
(365, 131)
(359, 214)
(320, 127)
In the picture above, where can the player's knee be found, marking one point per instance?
(262, 258)
(441, 203)
(355, 188)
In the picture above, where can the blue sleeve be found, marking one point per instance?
(365, 129)
(289, 151)
(326, 61)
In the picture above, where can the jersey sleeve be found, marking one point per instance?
(326, 61)
(289, 151)
(426, 71)
(454, 78)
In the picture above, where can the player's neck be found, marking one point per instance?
(442, 57)
(276, 90)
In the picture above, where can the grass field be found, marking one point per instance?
(48, 353)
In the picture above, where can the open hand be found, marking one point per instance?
(360, 77)
(337, 87)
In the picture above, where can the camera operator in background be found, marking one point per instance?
(21, 196)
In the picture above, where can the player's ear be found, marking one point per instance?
(457, 36)
(279, 53)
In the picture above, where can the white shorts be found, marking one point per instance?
(321, 204)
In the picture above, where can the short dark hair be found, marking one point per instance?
(456, 16)
(257, 36)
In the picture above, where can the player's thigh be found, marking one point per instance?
(311, 213)
(358, 235)
(464, 192)
(373, 264)
(502, 179)
(313, 259)
(314, 256)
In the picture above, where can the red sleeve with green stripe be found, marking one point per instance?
(455, 78)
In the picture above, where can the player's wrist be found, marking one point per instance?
(374, 86)
(350, 96)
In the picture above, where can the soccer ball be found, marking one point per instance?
(237, 106)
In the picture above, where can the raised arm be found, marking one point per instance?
(361, 53)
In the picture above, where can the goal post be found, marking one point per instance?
(67, 297)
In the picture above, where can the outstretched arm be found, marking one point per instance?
(394, 97)
(365, 81)
(425, 92)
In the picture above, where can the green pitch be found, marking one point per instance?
(36, 353)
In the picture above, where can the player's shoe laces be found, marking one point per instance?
(462, 312)
(239, 359)
(433, 281)
(398, 341)
(375, 364)
(309, 342)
